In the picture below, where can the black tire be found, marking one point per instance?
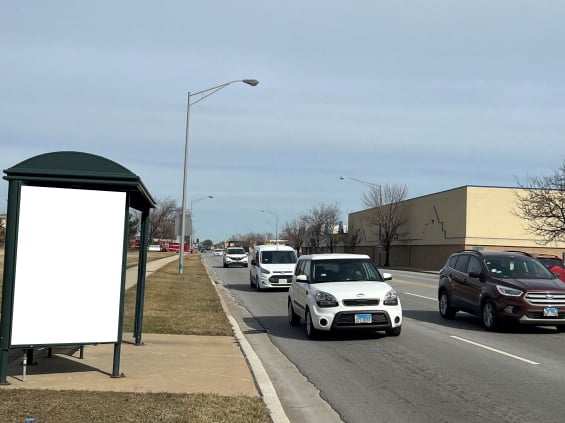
(560, 328)
(293, 318)
(311, 331)
(250, 280)
(247, 265)
(257, 284)
(489, 316)
(394, 331)
(446, 311)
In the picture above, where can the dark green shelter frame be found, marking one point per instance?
(77, 170)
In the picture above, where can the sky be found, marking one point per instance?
(431, 94)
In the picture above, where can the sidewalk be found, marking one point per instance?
(165, 363)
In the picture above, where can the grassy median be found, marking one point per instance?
(166, 311)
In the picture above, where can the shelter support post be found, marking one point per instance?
(116, 367)
(140, 289)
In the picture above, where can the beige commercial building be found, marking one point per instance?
(468, 217)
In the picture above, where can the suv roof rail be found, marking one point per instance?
(470, 251)
(518, 252)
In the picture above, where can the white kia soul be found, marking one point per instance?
(334, 292)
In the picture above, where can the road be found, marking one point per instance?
(435, 371)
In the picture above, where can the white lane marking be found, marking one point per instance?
(421, 296)
(475, 343)
(494, 350)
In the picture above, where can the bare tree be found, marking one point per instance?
(133, 224)
(162, 220)
(541, 203)
(2, 232)
(322, 225)
(352, 238)
(249, 239)
(295, 231)
(387, 214)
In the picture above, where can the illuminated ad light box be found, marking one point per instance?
(68, 271)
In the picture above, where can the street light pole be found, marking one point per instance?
(276, 225)
(203, 94)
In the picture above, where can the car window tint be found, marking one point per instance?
(474, 265)
(340, 270)
(307, 268)
(283, 257)
(300, 268)
(461, 263)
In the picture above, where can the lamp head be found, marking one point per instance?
(252, 82)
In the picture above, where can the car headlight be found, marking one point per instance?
(265, 271)
(324, 299)
(391, 298)
(511, 292)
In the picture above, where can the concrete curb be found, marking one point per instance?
(262, 380)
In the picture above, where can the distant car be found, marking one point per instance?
(553, 263)
(235, 256)
(218, 252)
(499, 286)
(333, 292)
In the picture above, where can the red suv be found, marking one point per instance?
(499, 286)
(553, 263)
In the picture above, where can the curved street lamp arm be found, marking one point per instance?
(361, 181)
(209, 91)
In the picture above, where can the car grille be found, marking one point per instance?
(545, 298)
(361, 302)
(379, 318)
(275, 278)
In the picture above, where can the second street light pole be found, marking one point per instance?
(191, 242)
(380, 201)
(276, 225)
(203, 94)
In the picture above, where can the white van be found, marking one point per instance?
(272, 266)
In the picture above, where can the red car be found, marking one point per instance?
(553, 263)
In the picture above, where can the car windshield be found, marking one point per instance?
(278, 257)
(340, 270)
(517, 268)
(550, 262)
(235, 251)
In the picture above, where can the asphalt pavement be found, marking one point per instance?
(224, 365)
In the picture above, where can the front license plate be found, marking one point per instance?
(283, 280)
(363, 318)
(550, 312)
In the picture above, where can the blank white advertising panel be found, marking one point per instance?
(68, 266)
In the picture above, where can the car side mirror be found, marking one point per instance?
(387, 276)
(301, 278)
(253, 262)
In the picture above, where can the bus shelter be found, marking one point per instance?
(66, 253)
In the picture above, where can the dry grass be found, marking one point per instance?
(105, 407)
(186, 304)
(172, 306)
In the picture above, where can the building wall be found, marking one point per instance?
(462, 218)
